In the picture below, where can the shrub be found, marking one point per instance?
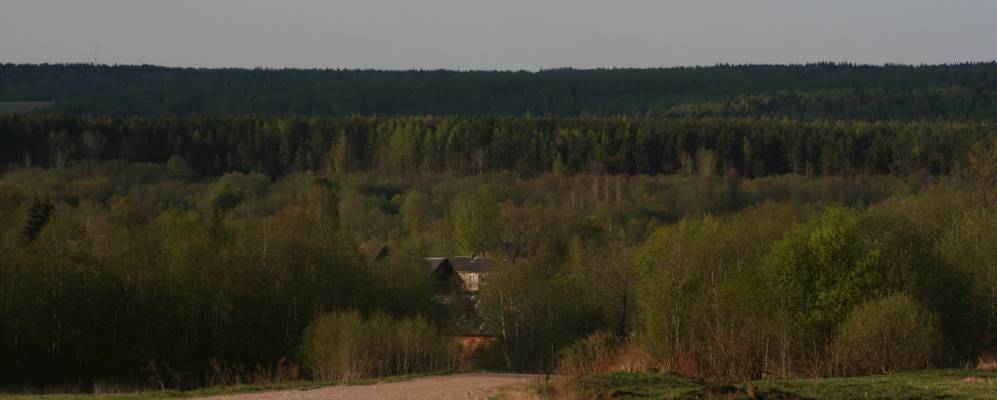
(345, 346)
(892, 334)
(590, 354)
(970, 248)
(601, 351)
(820, 272)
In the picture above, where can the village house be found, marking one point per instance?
(458, 281)
(461, 273)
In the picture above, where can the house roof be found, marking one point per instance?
(434, 262)
(474, 264)
(375, 251)
(481, 265)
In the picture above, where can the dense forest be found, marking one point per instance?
(180, 228)
(130, 272)
(826, 90)
(466, 145)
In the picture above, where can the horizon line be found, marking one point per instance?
(521, 70)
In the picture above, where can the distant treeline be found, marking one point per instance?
(467, 145)
(825, 90)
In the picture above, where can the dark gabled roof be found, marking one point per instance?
(434, 262)
(474, 264)
(481, 265)
(375, 251)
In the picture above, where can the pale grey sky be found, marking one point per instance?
(495, 34)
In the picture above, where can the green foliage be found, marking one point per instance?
(341, 155)
(404, 149)
(702, 275)
(735, 296)
(212, 145)
(822, 90)
(671, 281)
(38, 215)
(635, 385)
(473, 217)
(970, 247)
(604, 269)
(171, 246)
(912, 245)
(417, 212)
(135, 295)
(932, 384)
(536, 312)
(348, 346)
(982, 168)
(179, 168)
(225, 198)
(889, 335)
(134, 278)
(821, 271)
(593, 353)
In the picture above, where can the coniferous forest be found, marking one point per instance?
(181, 228)
(821, 91)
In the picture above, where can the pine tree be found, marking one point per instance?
(340, 155)
(38, 215)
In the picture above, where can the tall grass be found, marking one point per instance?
(349, 346)
(602, 352)
(890, 335)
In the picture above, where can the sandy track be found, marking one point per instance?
(450, 387)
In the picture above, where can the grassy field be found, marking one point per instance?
(939, 384)
(935, 384)
(634, 385)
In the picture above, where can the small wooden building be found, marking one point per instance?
(458, 281)
(446, 280)
(461, 274)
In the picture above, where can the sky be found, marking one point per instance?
(495, 34)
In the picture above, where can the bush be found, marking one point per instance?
(970, 248)
(892, 334)
(594, 353)
(601, 351)
(821, 271)
(346, 346)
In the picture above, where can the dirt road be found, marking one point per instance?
(450, 387)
